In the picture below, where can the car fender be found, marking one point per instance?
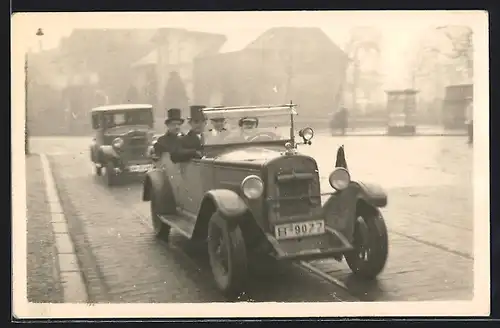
(108, 152)
(92, 150)
(153, 183)
(229, 205)
(227, 202)
(372, 193)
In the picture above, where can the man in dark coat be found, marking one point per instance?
(168, 141)
(191, 145)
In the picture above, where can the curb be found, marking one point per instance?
(70, 274)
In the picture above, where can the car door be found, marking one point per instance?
(196, 178)
(172, 173)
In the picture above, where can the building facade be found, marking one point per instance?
(175, 50)
(283, 64)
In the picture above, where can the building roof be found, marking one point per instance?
(160, 36)
(118, 107)
(240, 39)
(286, 37)
(99, 45)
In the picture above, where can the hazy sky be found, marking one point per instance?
(400, 30)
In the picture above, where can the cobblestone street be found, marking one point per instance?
(429, 216)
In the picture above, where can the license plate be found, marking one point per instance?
(140, 168)
(299, 229)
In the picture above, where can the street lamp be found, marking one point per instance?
(39, 33)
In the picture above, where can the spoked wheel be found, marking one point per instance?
(370, 243)
(227, 255)
(161, 230)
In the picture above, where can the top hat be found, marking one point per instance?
(174, 114)
(197, 113)
(254, 120)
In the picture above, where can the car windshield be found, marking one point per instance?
(248, 126)
(129, 117)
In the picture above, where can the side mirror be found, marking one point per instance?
(306, 134)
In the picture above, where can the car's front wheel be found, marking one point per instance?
(109, 175)
(97, 169)
(370, 243)
(227, 255)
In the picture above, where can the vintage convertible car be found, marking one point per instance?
(123, 136)
(259, 198)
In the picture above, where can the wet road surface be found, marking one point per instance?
(429, 217)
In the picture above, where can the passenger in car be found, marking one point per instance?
(168, 141)
(219, 128)
(247, 125)
(191, 145)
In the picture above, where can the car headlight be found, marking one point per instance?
(306, 133)
(117, 142)
(339, 179)
(252, 187)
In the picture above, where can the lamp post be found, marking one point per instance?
(39, 33)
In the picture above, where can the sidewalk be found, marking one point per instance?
(53, 272)
(43, 280)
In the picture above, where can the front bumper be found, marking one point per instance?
(331, 244)
(134, 168)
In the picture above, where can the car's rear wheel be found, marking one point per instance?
(161, 230)
(227, 255)
(370, 243)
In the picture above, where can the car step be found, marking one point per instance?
(183, 224)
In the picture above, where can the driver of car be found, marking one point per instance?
(248, 126)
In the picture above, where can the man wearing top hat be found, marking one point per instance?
(169, 141)
(191, 145)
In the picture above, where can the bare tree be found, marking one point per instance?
(362, 39)
(460, 40)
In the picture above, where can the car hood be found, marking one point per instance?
(255, 155)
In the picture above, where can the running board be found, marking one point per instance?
(183, 224)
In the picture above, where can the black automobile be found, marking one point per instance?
(123, 137)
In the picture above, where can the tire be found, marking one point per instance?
(97, 170)
(109, 175)
(370, 243)
(161, 230)
(228, 260)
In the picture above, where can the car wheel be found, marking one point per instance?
(110, 175)
(98, 170)
(227, 255)
(370, 243)
(161, 230)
